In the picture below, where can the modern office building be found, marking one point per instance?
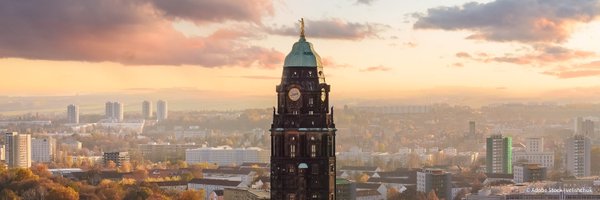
(529, 172)
(578, 155)
(43, 150)
(161, 110)
(147, 109)
(226, 156)
(438, 180)
(17, 152)
(73, 114)
(119, 158)
(499, 154)
(303, 131)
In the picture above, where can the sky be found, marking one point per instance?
(372, 49)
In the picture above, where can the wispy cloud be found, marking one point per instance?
(333, 29)
(261, 77)
(376, 68)
(365, 2)
(540, 55)
(584, 70)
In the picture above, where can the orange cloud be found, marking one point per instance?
(584, 70)
(528, 21)
(463, 55)
(131, 32)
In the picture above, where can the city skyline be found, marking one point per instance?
(393, 46)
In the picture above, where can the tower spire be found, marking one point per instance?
(301, 27)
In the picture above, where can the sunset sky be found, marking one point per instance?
(371, 48)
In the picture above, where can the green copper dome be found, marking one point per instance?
(302, 55)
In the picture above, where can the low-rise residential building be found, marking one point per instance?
(119, 158)
(72, 144)
(348, 171)
(345, 189)
(172, 185)
(369, 195)
(165, 152)
(245, 176)
(210, 185)
(375, 191)
(246, 194)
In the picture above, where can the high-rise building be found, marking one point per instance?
(499, 154)
(584, 127)
(472, 130)
(587, 128)
(534, 144)
(578, 149)
(114, 111)
(437, 180)
(43, 149)
(118, 111)
(17, 150)
(109, 111)
(147, 109)
(73, 114)
(161, 110)
(303, 131)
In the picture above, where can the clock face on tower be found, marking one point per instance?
(294, 94)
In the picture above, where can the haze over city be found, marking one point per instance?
(383, 50)
(297, 100)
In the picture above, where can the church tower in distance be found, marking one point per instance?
(303, 132)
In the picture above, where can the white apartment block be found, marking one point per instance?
(43, 149)
(227, 156)
(534, 153)
(17, 150)
(578, 149)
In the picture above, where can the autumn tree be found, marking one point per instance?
(63, 193)
(192, 195)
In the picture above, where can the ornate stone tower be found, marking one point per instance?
(303, 132)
